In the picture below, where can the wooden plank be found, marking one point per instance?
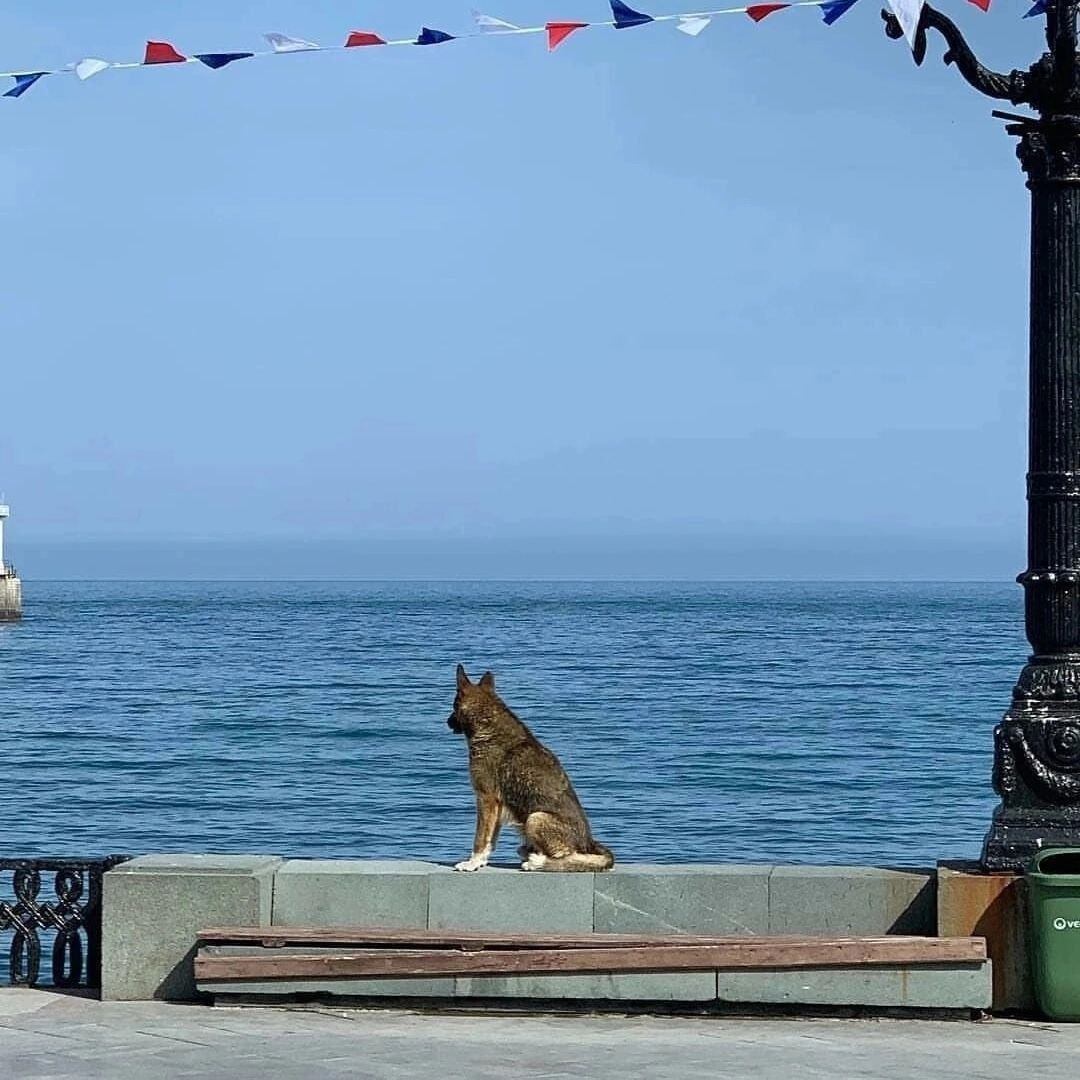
(743, 954)
(370, 937)
(374, 937)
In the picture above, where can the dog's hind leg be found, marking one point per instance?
(557, 846)
(545, 841)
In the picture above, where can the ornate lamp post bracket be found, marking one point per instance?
(1037, 744)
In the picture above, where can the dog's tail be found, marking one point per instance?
(594, 857)
(597, 857)
(605, 854)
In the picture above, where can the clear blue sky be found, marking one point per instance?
(750, 304)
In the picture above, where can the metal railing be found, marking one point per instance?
(72, 913)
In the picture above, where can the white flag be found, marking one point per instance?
(89, 67)
(284, 43)
(907, 14)
(692, 24)
(489, 24)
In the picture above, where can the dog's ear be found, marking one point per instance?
(487, 681)
(462, 678)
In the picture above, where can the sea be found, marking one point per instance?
(824, 723)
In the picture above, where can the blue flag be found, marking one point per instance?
(831, 10)
(217, 60)
(626, 17)
(433, 37)
(1038, 8)
(24, 82)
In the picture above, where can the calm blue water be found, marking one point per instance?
(714, 722)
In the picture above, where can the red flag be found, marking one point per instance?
(161, 52)
(982, 5)
(757, 12)
(363, 37)
(558, 32)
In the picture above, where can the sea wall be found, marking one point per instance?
(154, 907)
(10, 598)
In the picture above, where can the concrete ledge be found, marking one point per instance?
(939, 987)
(689, 899)
(944, 987)
(960, 987)
(685, 986)
(511, 900)
(856, 900)
(153, 908)
(315, 892)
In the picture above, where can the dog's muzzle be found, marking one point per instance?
(452, 723)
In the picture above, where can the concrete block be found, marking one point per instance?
(931, 987)
(511, 900)
(317, 892)
(10, 597)
(153, 907)
(691, 899)
(678, 986)
(992, 906)
(353, 988)
(851, 900)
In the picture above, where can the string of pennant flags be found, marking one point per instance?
(907, 13)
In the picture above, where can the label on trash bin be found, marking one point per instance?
(1066, 924)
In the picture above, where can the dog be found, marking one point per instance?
(518, 780)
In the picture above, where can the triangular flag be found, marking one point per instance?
(757, 12)
(626, 17)
(490, 25)
(433, 37)
(694, 24)
(283, 43)
(831, 10)
(161, 52)
(217, 60)
(908, 13)
(90, 67)
(24, 82)
(363, 37)
(983, 5)
(1038, 8)
(558, 32)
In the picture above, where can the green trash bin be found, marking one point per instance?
(1054, 902)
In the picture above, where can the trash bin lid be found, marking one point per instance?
(1056, 863)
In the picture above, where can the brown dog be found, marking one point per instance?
(520, 781)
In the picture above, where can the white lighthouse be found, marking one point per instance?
(10, 585)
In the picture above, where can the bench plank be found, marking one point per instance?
(375, 937)
(770, 953)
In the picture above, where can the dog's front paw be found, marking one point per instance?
(471, 864)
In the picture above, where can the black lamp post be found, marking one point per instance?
(1037, 744)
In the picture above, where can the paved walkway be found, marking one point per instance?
(45, 1035)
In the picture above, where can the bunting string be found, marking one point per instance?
(623, 17)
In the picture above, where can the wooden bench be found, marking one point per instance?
(235, 954)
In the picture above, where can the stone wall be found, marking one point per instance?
(10, 598)
(154, 907)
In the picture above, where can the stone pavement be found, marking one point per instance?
(60, 1037)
